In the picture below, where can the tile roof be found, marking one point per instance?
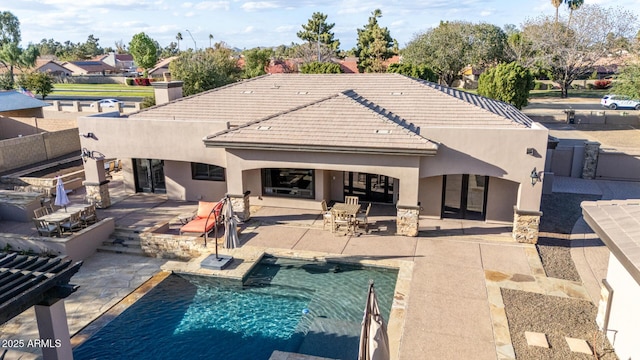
(419, 102)
(321, 126)
(617, 223)
(13, 100)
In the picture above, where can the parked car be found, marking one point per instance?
(107, 103)
(619, 101)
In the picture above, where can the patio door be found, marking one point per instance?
(369, 187)
(149, 176)
(464, 196)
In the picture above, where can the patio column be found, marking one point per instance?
(591, 151)
(96, 184)
(54, 331)
(526, 225)
(407, 220)
(240, 205)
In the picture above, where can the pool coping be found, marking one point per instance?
(245, 259)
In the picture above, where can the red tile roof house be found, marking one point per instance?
(292, 140)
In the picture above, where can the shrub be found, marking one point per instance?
(537, 86)
(590, 86)
(128, 81)
(602, 84)
(147, 101)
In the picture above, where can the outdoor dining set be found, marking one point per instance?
(50, 222)
(347, 216)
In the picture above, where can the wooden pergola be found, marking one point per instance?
(42, 282)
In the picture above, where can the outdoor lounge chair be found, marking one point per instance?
(88, 216)
(197, 224)
(351, 200)
(362, 219)
(74, 223)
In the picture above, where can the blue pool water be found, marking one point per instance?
(284, 304)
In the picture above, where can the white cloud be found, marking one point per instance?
(248, 29)
(212, 5)
(187, 5)
(285, 28)
(259, 5)
(485, 13)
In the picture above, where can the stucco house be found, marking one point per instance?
(617, 224)
(89, 67)
(292, 140)
(121, 62)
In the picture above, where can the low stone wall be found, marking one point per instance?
(526, 226)
(155, 243)
(78, 246)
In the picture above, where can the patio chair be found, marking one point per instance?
(340, 218)
(363, 218)
(46, 229)
(326, 214)
(88, 215)
(351, 200)
(74, 223)
(40, 212)
(204, 215)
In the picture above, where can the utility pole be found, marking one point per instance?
(319, 29)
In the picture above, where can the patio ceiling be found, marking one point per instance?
(31, 280)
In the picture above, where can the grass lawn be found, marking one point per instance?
(101, 90)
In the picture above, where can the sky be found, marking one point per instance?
(248, 24)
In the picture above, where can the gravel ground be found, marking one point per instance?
(560, 211)
(556, 317)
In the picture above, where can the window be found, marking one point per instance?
(288, 183)
(201, 171)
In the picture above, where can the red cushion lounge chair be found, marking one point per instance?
(197, 225)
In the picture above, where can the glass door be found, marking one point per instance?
(369, 187)
(149, 176)
(464, 196)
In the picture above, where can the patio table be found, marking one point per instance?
(350, 209)
(61, 215)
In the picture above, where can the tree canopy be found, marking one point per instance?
(37, 82)
(569, 51)
(144, 51)
(205, 69)
(318, 31)
(256, 61)
(415, 71)
(375, 45)
(9, 28)
(320, 68)
(450, 47)
(507, 82)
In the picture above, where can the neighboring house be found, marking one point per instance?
(617, 224)
(282, 66)
(161, 67)
(89, 67)
(121, 62)
(14, 103)
(44, 65)
(293, 140)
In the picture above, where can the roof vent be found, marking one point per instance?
(247, 92)
(263, 128)
(302, 93)
(383, 131)
(396, 93)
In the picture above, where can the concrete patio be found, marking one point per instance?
(450, 306)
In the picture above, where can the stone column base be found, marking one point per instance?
(407, 220)
(241, 206)
(98, 193)
(526, 225)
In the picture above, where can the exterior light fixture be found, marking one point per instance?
(89, 135)
(86, 154)
(534, 176)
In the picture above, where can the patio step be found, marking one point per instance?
(121, 250)
(123, 241)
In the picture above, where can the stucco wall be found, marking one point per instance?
(501, 198)
(181, 186)
(617, 165)
(431, 196)
(624, 317)
(14, 126)
(497, 152)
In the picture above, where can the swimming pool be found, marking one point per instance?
(313, 308)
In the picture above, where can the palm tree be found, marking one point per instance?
(573, 5)
(179, 37)
(210, 38)
(556, 4)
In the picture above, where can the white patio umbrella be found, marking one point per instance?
(374, 342)
(61, 195)
(230, 226)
